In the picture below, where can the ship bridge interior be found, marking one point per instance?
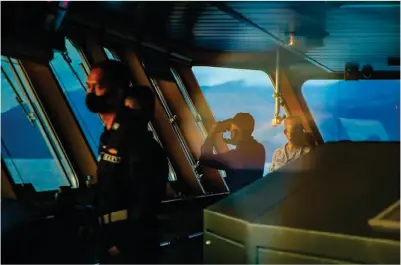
(334, 64)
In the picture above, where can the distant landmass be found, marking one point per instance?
(21, 138)
(24, 141)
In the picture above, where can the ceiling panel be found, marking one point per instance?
(362, 35)
(356, 33)
(216, 30)
(329, 32)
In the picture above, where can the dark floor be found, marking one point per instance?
(185, 252)
(46, 242)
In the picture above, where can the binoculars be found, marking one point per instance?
(224, 125)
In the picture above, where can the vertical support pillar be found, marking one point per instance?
(7, 189)
(62, 118)
(198, 99)
(211, 178)
(92, 50)
(166, 132)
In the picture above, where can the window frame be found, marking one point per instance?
(85, 66)
(190, 159)
(338, 77)
(195, 114)
(41, 120)
(283, 107)
(298, 81)
(5, 173)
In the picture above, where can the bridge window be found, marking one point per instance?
(29, 146)
(364, 110)
(229, 91)
(192, 109)
(71, 70)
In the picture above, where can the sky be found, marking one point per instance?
(244, 91)
(212, 76)
(229, 91)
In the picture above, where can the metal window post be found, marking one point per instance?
(45, 128)
(173, 118)
(197, 117)
(277, 119)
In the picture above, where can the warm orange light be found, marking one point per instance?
(64, 4)
(292, 40)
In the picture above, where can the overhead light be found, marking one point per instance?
(291, 40)
(388, 5)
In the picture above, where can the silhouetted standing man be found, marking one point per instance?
(132, 167)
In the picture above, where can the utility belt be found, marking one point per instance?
(113, 217)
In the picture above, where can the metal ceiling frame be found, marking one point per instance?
(116, 36)
(240, 17)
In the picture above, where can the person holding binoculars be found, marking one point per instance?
(245, 163)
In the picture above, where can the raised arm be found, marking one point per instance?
(224, 161)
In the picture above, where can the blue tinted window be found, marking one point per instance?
(364, 110)
(73, 86)
(109, 54)
(229, 91)
(28, 143)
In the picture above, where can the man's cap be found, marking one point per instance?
(245, 121)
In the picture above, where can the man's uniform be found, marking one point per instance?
(132, 174)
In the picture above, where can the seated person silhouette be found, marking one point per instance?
(298, 143)
(245, 163)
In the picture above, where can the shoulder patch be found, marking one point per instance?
(112, 151)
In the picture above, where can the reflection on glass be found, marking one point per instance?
(229, 91)
(72, 87)
(109, 54)
(364, 110)
(25, 149)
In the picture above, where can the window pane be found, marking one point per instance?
(109, 55)
(74, 90)
(193, 111)
(229, 91)
(27, 151)
(364, 110)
